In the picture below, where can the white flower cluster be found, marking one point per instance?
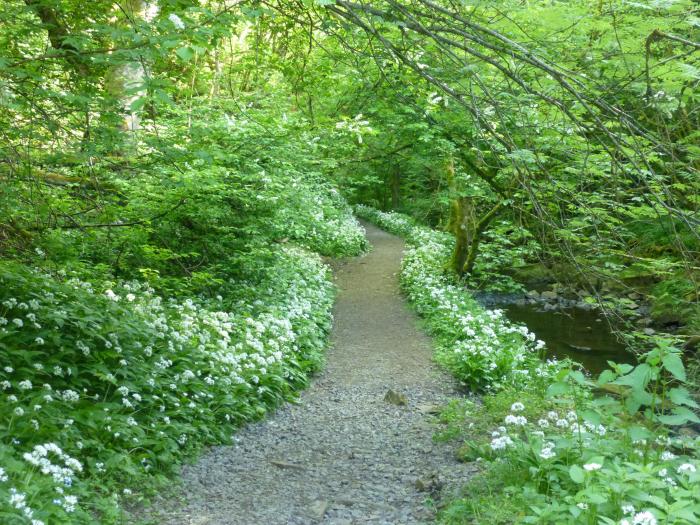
(176, 21)
(18, 500)
(640, 518)
(174, 364)
(39, 457)
(321, 221)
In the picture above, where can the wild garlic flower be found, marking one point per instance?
(686, 468)
(176, 21)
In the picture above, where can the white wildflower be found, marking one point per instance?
(500, 443)
(515, 420)
(177, 21)
(686, 467)
(644, 518)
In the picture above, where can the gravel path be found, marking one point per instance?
(343, 455)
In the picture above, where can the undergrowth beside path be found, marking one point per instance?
(554, 449)
(107, 385)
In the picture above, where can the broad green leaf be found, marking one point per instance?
(606, 376)
(681, 396)
(591, 417)
(638, 378)
(556, 389)
(577, 474)
(673, 364)
(680, 416)
(186, 53)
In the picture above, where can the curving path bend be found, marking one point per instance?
(342, 455)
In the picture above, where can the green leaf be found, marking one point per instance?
(606, 376)
(163, 96)
(556, 389)
(577, 474)
(138, 103)
(638, 433)
(680, 416)
(681, 396)
(596, 497)
(591, 416)
(186, 53)
(638, 378)
(577, 376)
(673, 364)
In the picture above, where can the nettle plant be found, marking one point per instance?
(607, 458)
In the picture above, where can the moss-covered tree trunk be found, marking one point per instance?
(465, 224)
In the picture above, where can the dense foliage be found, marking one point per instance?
(160, 281)
(566, 132)
(171, 170)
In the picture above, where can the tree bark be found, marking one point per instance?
(466, 226)
(395, 183)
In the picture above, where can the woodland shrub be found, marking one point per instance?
(569, 453)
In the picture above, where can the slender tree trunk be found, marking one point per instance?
(395, 182)
(126, 80)
(477, 235)
(458, 225)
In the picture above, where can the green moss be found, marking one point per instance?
(487, 500)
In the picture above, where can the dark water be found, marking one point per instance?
(573, 332)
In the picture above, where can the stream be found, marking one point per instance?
(576, 333)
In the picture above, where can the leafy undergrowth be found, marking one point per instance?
(127, 350)
(557, 446)
(133, 381)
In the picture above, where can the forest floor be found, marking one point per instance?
(344, 454)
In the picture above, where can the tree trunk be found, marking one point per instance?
(466, 226)
(125, 81)
(395, 182)
(461, 212)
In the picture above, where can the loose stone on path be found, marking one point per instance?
(345, 454)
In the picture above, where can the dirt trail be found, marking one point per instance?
(343, 455)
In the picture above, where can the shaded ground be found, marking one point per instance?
(343, 455)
